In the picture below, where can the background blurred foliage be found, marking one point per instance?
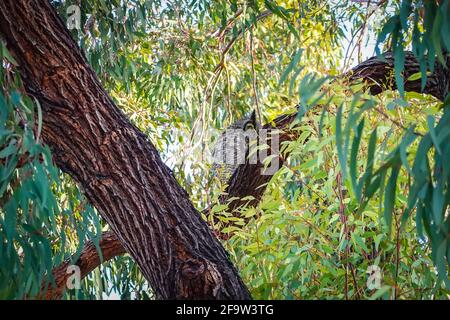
(182, 71)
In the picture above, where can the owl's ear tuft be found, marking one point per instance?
(253, 118)
(250, 123)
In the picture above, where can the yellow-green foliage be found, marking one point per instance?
(365, 184)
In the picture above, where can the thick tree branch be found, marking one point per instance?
(378, 74)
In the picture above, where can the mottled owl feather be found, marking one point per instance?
(231, 149)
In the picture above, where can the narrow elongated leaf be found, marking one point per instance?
(389, 196)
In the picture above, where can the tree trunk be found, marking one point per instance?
(114, 163)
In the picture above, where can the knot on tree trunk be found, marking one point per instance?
(199, 278)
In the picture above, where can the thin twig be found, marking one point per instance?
(255, 91)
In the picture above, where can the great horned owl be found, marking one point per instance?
(232, 147)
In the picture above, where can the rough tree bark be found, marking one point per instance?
(115, 164)
(248, 180)
(378, 74)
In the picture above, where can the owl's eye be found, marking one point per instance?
(249, 126)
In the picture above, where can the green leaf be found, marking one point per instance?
(9, 150)
(430, 122)
(8, 56)
(389, 196)
(436, 37)
(415, 76)
(367, 177)
(10, 219)
(339, 142)
(353, 159)
(405, 10)
(359, 241)
(438, 200)
(407, 139)
(380, 292)
(294, 62)
(399, 63)
(387, 29)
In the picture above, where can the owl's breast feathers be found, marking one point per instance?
(231, 149)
